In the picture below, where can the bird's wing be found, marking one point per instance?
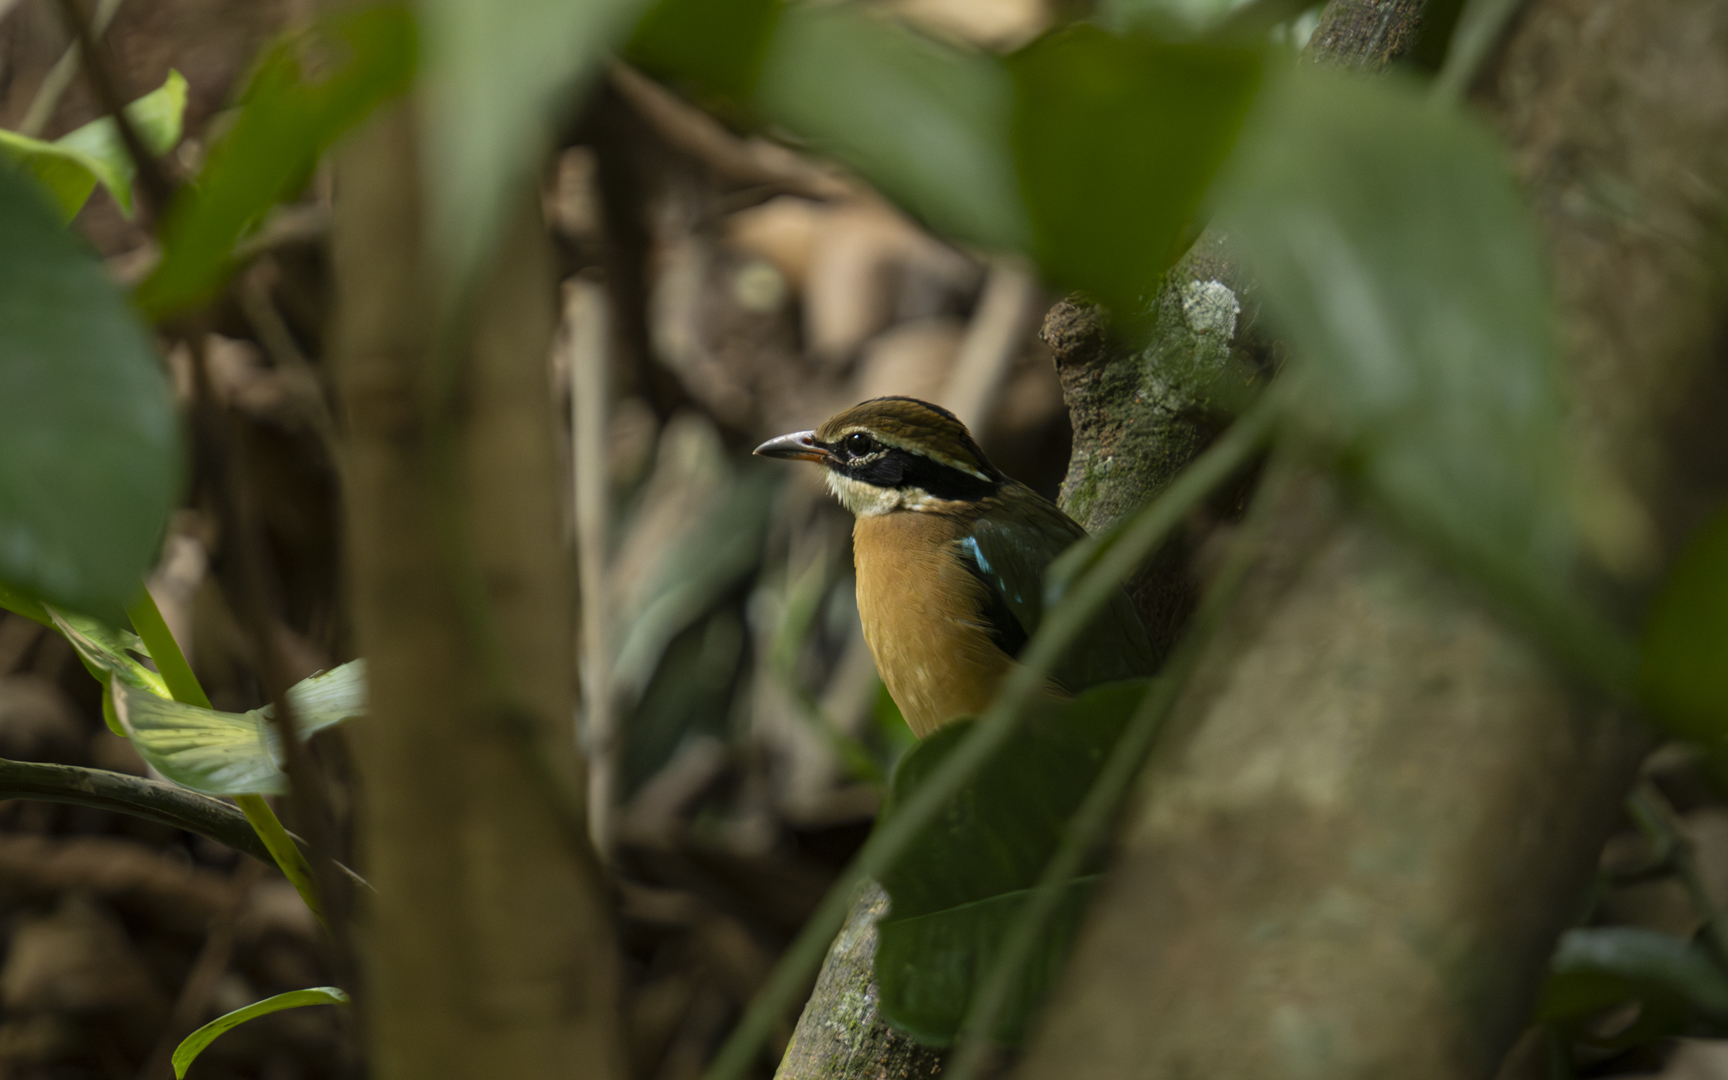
(1008, 549)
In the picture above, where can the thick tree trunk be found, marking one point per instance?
(1377, 804)
(488, 949)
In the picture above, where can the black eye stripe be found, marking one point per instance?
(890, 467)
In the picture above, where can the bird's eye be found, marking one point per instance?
(858, 444)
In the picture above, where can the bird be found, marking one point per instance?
(950, 556)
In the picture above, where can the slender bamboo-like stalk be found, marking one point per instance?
(588, 328)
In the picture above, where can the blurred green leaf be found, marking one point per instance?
(308, 90)
(1595, 969)
(959, 885)
(926, 123)
(194, 1044)
(1394, 252)
(497, 76)
(22, 604)
(932, 962)
(1117, 139)
(1684, 677)
(696, 574)
(222, 753)
(89, 446)
(1161, 16)
(71, 165)
(715, 46)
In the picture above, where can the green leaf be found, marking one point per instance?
(1684, 676)
(498, 75)
(715, 46)
(222, 753)
(926, 123)
(72, 165)
(194, 1044)
(89, 445)
(927, 965)
(288, 117)
(20, 604)
(1394, 252)
(108, 651)
(1595, 969)
(958, 886)
(1117, 139)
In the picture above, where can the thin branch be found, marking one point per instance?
(587, 330)
(1474, 39)
(151, 179)
(253, 293)
(134, 796)
(1006, 311)
(60, 76)
(1140, 536)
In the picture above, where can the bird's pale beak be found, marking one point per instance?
(798, 446)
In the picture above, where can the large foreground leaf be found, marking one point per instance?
(1397, 257)
(288, 117)
(928, 965)
(72, 165)
(222, 753)
(959, 885)
(926, 123)
(1685, 647)
(89, 448)
(1595, 969)
(1117, 139)
(498, 75)
(716, 47)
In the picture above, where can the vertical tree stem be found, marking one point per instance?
(488, 947)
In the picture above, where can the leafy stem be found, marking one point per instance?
(184, 686)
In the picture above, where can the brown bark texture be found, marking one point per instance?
(1377, 803)
(487, 948)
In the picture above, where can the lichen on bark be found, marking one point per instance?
(846, 1038)
(1141, 411)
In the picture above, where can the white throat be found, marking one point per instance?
(868, 500)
